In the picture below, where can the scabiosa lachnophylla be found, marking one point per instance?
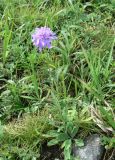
(42, 38)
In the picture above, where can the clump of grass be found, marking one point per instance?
(25, 135)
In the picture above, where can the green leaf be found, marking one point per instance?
(53, 142)
(52, 133)
(62, 137)
(1, 131)
(67, 149)
(59, 137)
(79, 142)
(74, 131)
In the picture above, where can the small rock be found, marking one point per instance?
(92, 150)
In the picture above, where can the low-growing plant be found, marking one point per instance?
(68, 120)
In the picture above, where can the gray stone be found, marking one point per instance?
(92, 149)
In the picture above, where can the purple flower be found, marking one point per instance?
(42, 37)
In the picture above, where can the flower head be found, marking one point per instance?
(42, 37)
